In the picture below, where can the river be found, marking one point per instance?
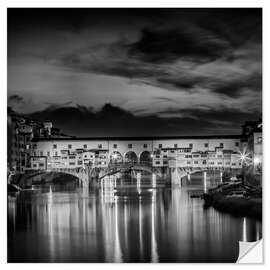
(74, 224)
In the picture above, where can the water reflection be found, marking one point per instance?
(72, 224)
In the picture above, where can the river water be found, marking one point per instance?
(75, 224)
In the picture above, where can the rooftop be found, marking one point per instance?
(140, 138)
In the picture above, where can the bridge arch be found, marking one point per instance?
(131, 157)
(145, 157)
(116, 157)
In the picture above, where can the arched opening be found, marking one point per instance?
(116, 157)
(146, 157)
(131, 157)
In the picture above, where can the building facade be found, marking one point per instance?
(21, 130)
(186, 151)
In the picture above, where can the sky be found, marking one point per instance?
(136, 71)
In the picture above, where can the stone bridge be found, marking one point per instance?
(126, 167)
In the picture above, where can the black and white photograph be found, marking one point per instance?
(134, 135)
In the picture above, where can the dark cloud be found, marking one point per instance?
(235, 88)
(15, 98)
(186, 41)
(168, 55)
(114, 121)
(208, 59)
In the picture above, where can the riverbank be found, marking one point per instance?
(238, 206)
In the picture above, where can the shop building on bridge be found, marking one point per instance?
(179, 151)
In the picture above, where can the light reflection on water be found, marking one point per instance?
(81, 225)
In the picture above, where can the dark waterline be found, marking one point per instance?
(73, 224)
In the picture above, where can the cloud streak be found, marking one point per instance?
(162, 62)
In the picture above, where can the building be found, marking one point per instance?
(178, 151)
(21, 130)
(253, 131)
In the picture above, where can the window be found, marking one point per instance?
(172, 151)
(157, 156)
(219, 163)
(195, 162)
(71, 163)
(189, 162)
(221, 144)
(34, 146)
(48, 154)
(190, 145)
(100, 146)
(129, 145)
(35, 153)
(157, 162)
(204, 162)
(71, 157)
(54, 146)
(34, 165)
(233, 164)
(236, 144)
(69, 146)
(206, 145)
(115, 146)
(165, 162)
(160, 145)
(85, 146)
(79, 162)
(145, 145)
(259, 140)
(56, 154)
(165, 156)
(41, 165)
(175, 145)
(41, 153)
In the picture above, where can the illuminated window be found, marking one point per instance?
(259, 140)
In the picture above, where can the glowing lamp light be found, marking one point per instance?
(114, 156)
(151, 155)
(242, 157)
(256, 160)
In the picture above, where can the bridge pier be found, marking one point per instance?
(138, 180)
(175, 178)
(205, 181)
